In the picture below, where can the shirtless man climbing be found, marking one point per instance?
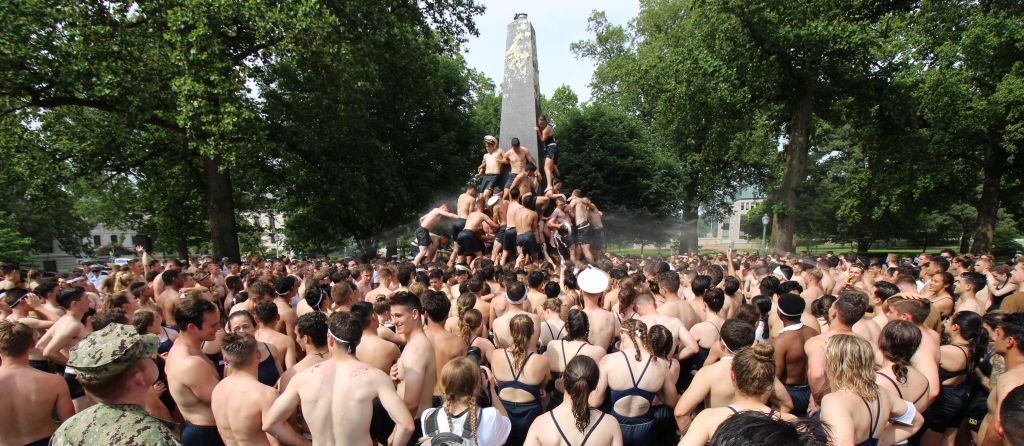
(547, 142)
(490, 167)
(468, 239)
(517, 157)
(427, 224)
(525, 222)
(463, 206)
(337, 396)
(191, 376)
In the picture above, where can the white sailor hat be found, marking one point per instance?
(592, 280)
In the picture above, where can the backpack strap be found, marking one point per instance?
(467, 432)
(430, 424)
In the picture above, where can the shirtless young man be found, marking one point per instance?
(790, 357)
(550, 147)
(517, 157)
(516, 303)
(812, 288)
(846, 311)
(22, 303)
(463, 206)
(581, 209)
(337, 395)
(447, 346)
(284, 289)
(967, 287)
(648, 313)
(709, 387)
(603, 325)
(169, 294)
(525, 222)
(508, 242)
(915, 309)
(708, 332)
(48, 290)
(490, 168)
(423, 232)
(240, 401)
(1009, 342)
(30, 396)
(311, 331)
(373, 349)
(267, 318)
(674, 306)
(191, 376)
(386, 275)
(65, 333)
(415, 371)
(468, 238)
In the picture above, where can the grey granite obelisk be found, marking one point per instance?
(520, 92)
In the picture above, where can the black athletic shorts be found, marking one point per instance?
(528, 242)
(76, 389)
(488, 181)
(422, 236)
(457, 226)
(511, 178)
(469, 243)
(509, 243)
(583, 234)
(551, 152)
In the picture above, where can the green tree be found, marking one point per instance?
(970, 85)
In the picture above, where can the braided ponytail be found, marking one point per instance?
(635, 328)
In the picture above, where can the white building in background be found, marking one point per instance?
(56, 260)
(728, 231)
(270, 226)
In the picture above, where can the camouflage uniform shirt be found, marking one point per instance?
(106, 424)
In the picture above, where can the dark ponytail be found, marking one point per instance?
(580, 378)
(973, 330)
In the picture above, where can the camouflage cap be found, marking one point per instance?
(110, 351)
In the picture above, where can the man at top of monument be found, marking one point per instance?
(547, 140)
(490, 167)
(517, 157)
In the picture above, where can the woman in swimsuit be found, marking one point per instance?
(999, 285)
(898, 343)
(271, 365)
(149, 319)
(560, 352)
(957, 360)
(631, 393)
(520, 376)
(552, 328)
(471, 331)
(857, 410)
(753, 375)
(573, 422)
(662, 344)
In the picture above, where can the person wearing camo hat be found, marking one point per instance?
(117, 366)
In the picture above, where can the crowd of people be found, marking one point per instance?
(530, 333)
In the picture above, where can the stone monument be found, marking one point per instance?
(520, 91)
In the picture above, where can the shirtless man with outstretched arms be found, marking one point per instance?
(427, 224)
(517, 157)
(337, 395)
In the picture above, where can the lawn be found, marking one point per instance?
(814, 249)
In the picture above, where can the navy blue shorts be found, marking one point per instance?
(422, 236)
(193, 435)
(76, 389)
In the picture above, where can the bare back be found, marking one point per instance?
(29, 398)
(239, 402)
(337, 401)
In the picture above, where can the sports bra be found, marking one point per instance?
(552, 331)
(872, 441)
(927, 385)
(946, 374)
(586, 437)
(515, 383)
(267, 372)
(165, 345)
(617, 395)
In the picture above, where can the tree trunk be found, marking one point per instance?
(863, 245)
(220, 209)
(965, 242)
(798, 132)
(988, 205)
(392, 248)
(641, 249)
(183, 248)
(688, 237)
